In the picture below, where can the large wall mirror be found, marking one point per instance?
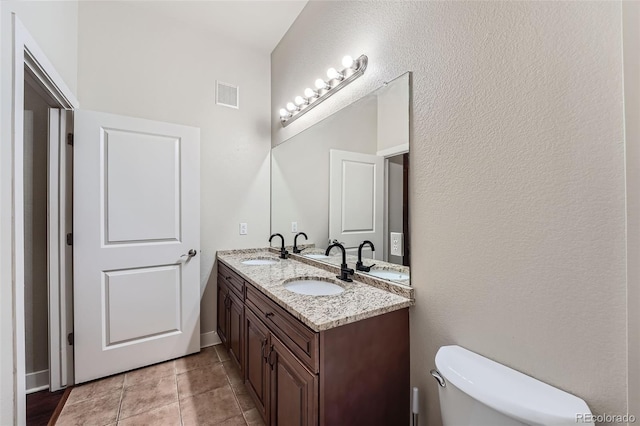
(345, 179)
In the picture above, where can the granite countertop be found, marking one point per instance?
(359, 300)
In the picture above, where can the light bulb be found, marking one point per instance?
(283, 112)
(310, 93)
(291, 107)
(299, 100)
(347, 61)
(320, 84)
(333, 74)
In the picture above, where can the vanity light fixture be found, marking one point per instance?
(310, 93)
(284, 113)
(322, 85)
(333, 74)
(353, 68)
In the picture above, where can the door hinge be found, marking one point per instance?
(70, 239)
(70, 339)
(70, 139)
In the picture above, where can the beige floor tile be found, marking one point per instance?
(201, 380)
(222, 352)
(233, 421)
(147, 396)
(210, 408)
(169, 415)
(95, 389)
(253, 417)
(149, 373)
(92, 412)
(207, 356)
(242, 394)
(232, 372)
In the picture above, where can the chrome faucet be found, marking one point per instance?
(283, 252)
(344, 270)
(295, 242)
(359, 265)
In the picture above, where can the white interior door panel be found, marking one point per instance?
(136, 216)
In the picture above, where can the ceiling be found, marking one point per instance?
(258, 24)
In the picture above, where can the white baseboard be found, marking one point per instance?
(209, 339)
(37, 381)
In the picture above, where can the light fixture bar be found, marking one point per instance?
(358, 69)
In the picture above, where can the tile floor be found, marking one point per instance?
(200, 389)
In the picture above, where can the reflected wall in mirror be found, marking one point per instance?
(344, 179)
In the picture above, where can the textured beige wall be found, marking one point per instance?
(54, 26)
(134, 61)
(517, 176)
(631, 42)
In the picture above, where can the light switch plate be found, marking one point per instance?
(294, 227)
(243, 229)
(397, 244)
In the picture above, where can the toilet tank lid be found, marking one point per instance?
(508, 391)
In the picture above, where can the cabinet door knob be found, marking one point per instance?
(268, 314)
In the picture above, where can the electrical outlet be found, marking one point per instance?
(243, 229)
(397, 245)
(294, 227)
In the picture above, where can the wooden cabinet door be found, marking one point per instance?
(223, 293)
(235, 329)
(294, 389)
(256, 367)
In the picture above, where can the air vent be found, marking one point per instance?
(227, 95)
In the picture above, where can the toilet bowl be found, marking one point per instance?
(477, 391)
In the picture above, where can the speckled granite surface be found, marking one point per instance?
(359, 300)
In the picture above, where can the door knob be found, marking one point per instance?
(190, 253)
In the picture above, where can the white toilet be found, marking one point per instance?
(477, 391)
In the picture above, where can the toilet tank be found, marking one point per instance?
(479, 391)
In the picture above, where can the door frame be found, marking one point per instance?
(26, 53)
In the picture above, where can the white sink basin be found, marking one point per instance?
(316, 256)
(313, 287)
(256, 262)
(389, 275)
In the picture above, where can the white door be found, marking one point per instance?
(356, 199)
(136, 217)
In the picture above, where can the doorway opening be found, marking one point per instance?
(46, 179)
(31, 70)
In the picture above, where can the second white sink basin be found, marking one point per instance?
(313, 287)
(389, 275)
(256, 262)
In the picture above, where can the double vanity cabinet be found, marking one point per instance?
(314, 360)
